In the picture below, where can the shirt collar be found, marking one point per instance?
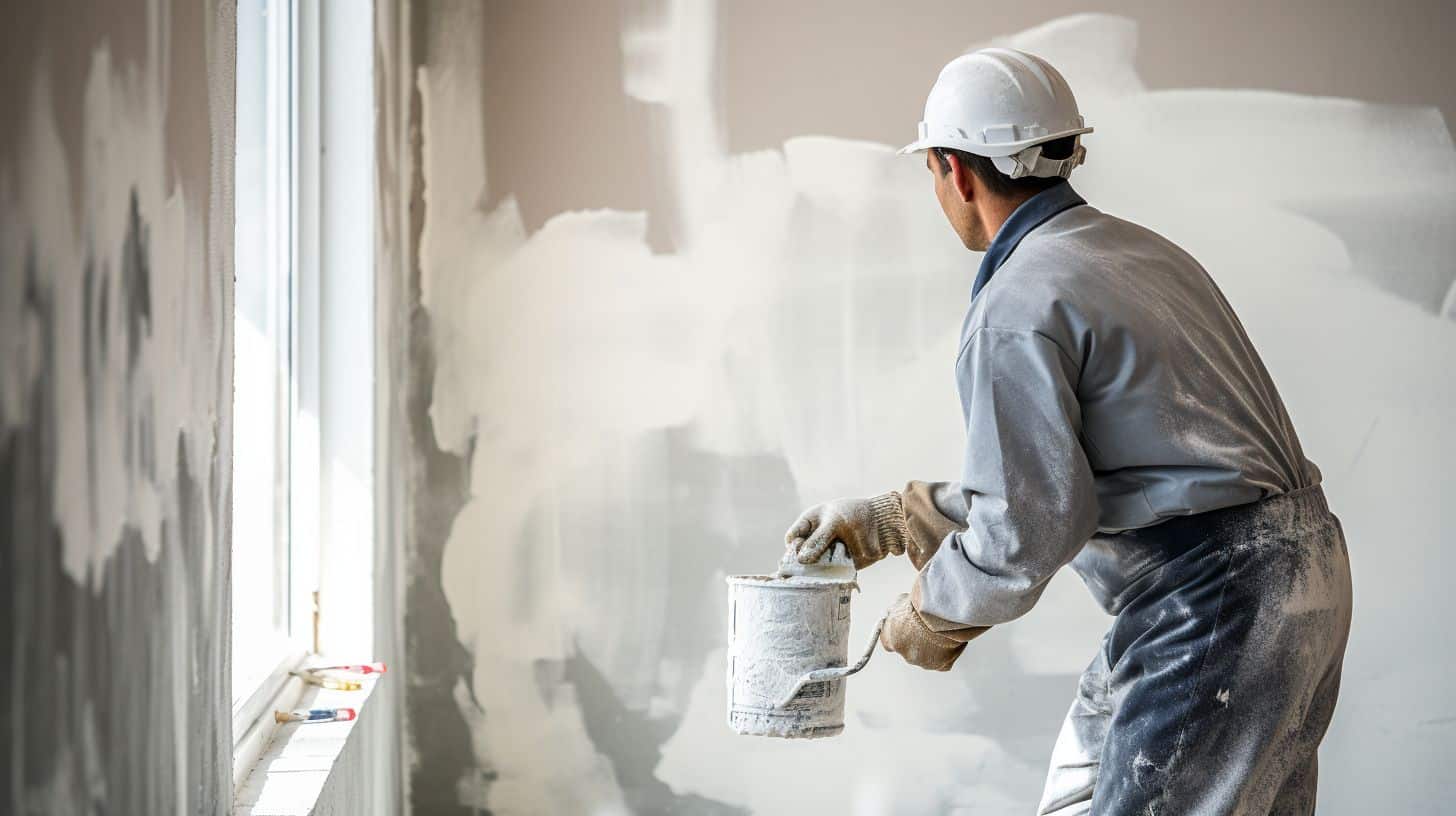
(1032, 213)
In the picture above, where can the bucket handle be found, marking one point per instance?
(834, 672)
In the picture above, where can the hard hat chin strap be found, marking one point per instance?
(1030, 162)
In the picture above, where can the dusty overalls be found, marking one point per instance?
(1217, 680)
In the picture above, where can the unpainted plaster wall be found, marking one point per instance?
(116, 289)
(667, 285)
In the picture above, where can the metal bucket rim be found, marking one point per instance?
(790, 582)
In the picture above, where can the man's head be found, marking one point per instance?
(976, 197)
(1000, 125)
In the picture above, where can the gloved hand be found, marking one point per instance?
(906, 634)
(870, 529)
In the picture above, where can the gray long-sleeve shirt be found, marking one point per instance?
(1106, 385)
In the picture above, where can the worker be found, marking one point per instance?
(1117, 419)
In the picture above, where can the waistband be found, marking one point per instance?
(1293, 512)
(1112, 565)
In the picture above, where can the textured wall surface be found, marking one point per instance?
(396, 299)
(656, 312)
(115, 406)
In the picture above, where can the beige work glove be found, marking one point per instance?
(870, 528)
(906, 634)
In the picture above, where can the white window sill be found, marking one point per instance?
(296, 763)
(253, 716)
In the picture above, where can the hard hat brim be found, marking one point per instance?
(990, 151)
(914, 147)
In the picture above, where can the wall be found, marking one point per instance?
(115, 406)
(667, 285)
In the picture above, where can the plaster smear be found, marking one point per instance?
(810, 317)
(123, 398)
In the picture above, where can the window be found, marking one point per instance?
(304, 351)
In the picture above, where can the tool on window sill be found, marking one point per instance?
(354, 668)
(327, 682)
(316, 715)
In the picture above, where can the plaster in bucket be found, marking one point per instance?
(788, 649)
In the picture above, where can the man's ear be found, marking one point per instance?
(961, 177)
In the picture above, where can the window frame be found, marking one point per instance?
(296, 554)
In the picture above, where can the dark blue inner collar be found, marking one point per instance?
(1032, 213)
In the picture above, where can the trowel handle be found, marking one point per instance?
(835, 672)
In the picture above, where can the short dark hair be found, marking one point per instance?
(999, 183)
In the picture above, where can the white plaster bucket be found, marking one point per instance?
(788, 650)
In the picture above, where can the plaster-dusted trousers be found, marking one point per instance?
(1216, 682)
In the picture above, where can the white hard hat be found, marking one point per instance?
(1002, 104)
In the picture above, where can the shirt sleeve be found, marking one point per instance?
(1025, 482)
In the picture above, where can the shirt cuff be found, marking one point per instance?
(887, 512)
(958, 632)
